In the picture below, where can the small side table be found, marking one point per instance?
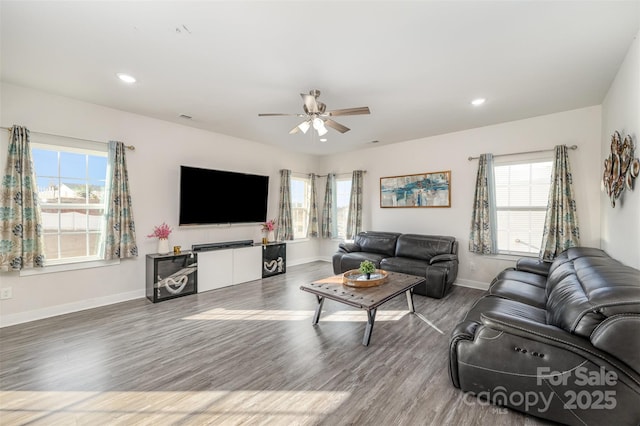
(274, 259)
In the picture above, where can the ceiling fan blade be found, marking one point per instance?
(349, 111)
(310, 103)
(337, 126)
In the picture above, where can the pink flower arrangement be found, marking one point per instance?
(161, 231)
(269, 226)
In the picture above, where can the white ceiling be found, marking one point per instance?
(416, 65)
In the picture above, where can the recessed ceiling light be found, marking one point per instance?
(323, 140)
(126, 78)
(478, 102)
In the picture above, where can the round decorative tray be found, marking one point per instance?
(355, 278)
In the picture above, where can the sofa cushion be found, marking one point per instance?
(519, 291)
(423, 247)
(588, 288)
(377, 242)
(405, 265)
(524, 277)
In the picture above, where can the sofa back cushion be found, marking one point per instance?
(586, 286)
(377, 242)
(424, 247)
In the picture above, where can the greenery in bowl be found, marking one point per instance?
(367, 267)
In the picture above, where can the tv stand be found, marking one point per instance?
(227, 263)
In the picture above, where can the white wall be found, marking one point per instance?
(621, 111)
(161, 147)
(450, 152)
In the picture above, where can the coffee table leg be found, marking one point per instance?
(316, 316)
(371, 317)
(410, 301)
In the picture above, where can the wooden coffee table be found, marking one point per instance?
(363, 298)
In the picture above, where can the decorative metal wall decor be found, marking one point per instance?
(620, 167)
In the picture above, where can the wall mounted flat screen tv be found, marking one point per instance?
(221, 197)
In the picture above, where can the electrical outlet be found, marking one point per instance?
(6, 293)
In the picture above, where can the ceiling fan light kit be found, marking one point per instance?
(304, 126)
(316, 115)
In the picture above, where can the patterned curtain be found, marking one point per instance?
(482, 238)
(21, 240)
(354, 214)
(120, 231)
(284, 227)
(312, 229)
(329, 229)
(561, 229)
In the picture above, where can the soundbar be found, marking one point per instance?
(224, 245)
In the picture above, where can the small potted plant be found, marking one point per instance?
(367, 267)
(162, 233)
(267, 231)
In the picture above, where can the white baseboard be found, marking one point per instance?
(306, 260)
(479, 285)
(52, 311)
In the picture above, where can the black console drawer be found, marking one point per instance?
(170, 276)
(274, 259)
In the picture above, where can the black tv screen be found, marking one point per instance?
(218, 196)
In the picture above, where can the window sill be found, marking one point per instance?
(299, 240)
(69, 266)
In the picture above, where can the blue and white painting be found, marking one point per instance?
(419, 190)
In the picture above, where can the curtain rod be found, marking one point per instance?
(130, 147)
(340, 174)
(526, 152)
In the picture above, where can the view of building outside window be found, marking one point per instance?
(343, 194)
(300, 205)
(522, 190)
(71, 190)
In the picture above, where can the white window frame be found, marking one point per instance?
(72, 145)
(500, 227)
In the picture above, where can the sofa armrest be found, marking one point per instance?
(530, 329)
(535, 266)
(443, 258)
(348, 247)
(553, 336)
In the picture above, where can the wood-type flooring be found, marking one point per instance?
(241, 355)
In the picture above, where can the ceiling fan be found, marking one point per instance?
(316, 116)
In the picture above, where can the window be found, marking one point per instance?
(343, 195)
(71, 188)
(300, 205)
(522, 190)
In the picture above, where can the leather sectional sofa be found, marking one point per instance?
(559, 341)
(431, 256)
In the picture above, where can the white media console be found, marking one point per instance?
(225, 264)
